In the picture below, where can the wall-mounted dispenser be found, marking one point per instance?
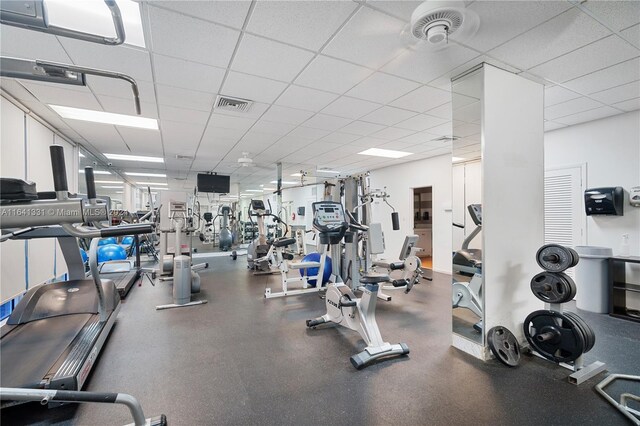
(604, 201)
(634, 196)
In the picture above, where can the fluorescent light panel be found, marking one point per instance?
(253, 190)
(97, 172)
(109, 181)
(296, 174)
(161, 175)
(152, 183)
(328, 171)
(142, 158)
(105, 117)
(159, 189)
(284, 182)
(112, 186)
(387, 153)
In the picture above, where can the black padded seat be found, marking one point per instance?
(14, 190)
(283, 242)
(374, 278)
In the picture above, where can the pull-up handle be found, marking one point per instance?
(91, 183)
(59, 169)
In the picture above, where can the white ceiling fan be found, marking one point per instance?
(246, 161)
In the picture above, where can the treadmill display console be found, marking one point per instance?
(328, 216)
(475, 211)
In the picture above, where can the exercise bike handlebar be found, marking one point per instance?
(354, 224)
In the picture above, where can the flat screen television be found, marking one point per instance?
(213, 183)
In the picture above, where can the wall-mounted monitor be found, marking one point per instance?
(220, 184)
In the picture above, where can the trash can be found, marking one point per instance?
(592, 276)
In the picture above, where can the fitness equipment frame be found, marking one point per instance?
(409, 264)
(468, 261)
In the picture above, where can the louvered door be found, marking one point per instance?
(563, 207)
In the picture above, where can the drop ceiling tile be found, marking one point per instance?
(615, 14)
(127, 106)
(466, 129)
(196, 40)
(57, 94)
(421, 122)
(256, 111)
(305, 24)
(551, 125)
(273, 127)
(618, 94)
(232, 13)
(340, 138)
(570, 107)
(186, 74)
(246, 86)
(399, 9)
(121, 89)
(391, 133)
(441, 130)
(282, 114)
(443, 111)
(596, 56)
(21, 43)
(630, 105)
(425, 66)
(215, 148)
(422, 99)
(304, 98)
(103, 136)
(231, 122)
(361, 128)
(184, 115)
(558, 94)
(558, 36)
(177, 135)
(213, 133)
(350, 107)
(332, 75)
(382, 88)
(368, 142)
(184, 98)
(256, 140)
(308, 133)
(590, 115)
(142, 140)
(388, 116)
(632, 34)
(417, 138)
(616, 75)
(370, 38)
(266, 58)
(326, 122)
(512, 18)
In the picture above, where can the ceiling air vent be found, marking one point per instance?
(184, 157)
(233, 104)
(445, 139)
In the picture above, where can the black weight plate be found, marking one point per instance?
(554, 258)
(580, 324)
(590, 336)
(575, 255)
(572, 285)
(554, 335)
(504, 346)
(552, 288)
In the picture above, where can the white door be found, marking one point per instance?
(564, 216)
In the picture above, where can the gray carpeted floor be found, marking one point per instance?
(244, 360)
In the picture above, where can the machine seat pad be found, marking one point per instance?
(12, 190)
(374, 278)
(283, 242)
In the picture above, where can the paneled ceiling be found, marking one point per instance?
(328, 80)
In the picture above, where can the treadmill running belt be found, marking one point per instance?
(30, 350)
(124, 281)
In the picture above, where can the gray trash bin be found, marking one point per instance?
(592, 278)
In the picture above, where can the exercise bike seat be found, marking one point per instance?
(283, 242)
(374, 278)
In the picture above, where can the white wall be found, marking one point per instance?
(610, 148)
(400, 181)
(24, 150)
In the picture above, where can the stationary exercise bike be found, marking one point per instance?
(343, 307)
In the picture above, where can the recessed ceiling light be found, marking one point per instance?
(269, 189)
(141, 158)
(284, 182)
(328, 171)
(160, 189)
(97, 172)
(296, 174)
(162, 175)
(112, 186)
(118, 192)
(152, 183)
(388, 153)
(456, 159)
(253, 190)
(109, 181)
(105, 117)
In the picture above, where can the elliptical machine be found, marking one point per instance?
(343, 307)
(258, 257)
(468, 261)
(225, 237)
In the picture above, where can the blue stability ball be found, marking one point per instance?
(312, 272)
(84, 255)
(127, 241)
(111, 252)
(105, 241)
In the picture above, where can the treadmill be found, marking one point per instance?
(122, 272)
(468, 261)
(55, 334)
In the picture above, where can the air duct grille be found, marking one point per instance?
(233, 104)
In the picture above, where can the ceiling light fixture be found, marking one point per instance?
(97, 172)
(253, 190)
(112, 186)
(160, 189)
(152, 183)
(161, 175)
(387, 153)
(109, 181)
(141, 158)
(105, 117)
(296, 174)
(328, 171)
(269, 189)
(284, 182)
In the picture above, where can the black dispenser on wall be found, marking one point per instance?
(604, 201)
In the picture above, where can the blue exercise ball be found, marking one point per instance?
(111, 252)
(127, 241)
(84, 255)
(311, 272)
(105, 241)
